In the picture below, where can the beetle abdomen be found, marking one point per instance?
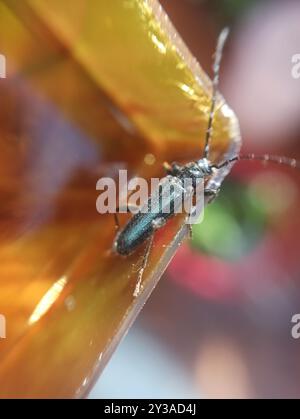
(161, 205)
(135, 232)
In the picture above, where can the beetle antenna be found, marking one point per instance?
(286, 161)
(216, 75)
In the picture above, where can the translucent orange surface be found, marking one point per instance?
(92, 86)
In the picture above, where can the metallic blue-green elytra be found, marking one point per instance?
(160, 206)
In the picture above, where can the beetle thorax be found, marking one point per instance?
(205, 167)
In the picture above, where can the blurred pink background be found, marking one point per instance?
(217, 327)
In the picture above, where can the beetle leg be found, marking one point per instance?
(172, 169)
(192, 210)
(156, 224)
(167, 167)
(211, 194)
(144, 264)
(190, 231)
(117, 222)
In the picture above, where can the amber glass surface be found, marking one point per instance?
(92, 86)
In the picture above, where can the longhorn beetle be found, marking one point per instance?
(143, 224)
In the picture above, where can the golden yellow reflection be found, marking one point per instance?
(48, 300)
(189, 91)
(160, 45)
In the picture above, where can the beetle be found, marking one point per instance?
(152, 215)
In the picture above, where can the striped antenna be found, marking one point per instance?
(286, 161)
(216, 69)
